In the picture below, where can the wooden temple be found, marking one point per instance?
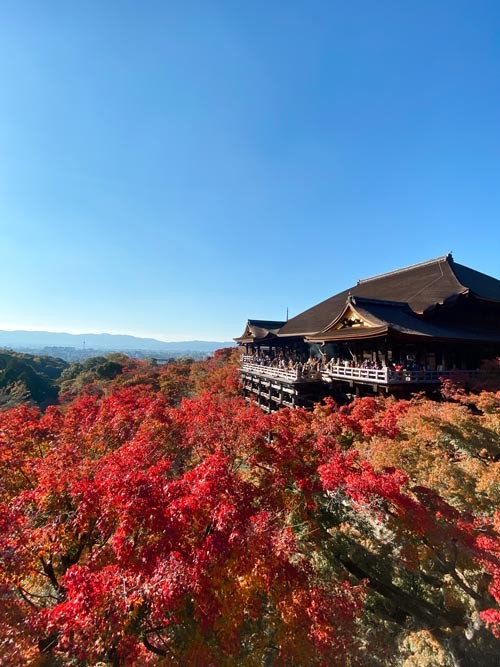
(398, 332)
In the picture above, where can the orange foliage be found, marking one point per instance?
(162, 520)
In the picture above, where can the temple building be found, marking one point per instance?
(397, 332)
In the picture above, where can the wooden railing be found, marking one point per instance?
(385, 376)
(390, 376)
(283, 374)
(399, 377)
(379, 376)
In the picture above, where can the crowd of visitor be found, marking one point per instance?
(310, 366)
(285, 361)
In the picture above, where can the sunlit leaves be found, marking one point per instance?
(162, 520)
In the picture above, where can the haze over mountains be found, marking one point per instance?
(20, 340)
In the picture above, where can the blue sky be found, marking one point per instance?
(173, 168)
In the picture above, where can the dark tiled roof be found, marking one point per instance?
(478, 283)
(256, 330)
(421, 286)
(398, 318)
(266, 324)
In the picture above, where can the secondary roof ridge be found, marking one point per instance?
(443, 258)
(354, 298)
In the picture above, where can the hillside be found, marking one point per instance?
(40, 380)
(25, 378)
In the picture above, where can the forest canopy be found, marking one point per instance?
(153, 517)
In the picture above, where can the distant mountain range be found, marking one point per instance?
(19, 340)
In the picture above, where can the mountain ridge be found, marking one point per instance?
(102, 341)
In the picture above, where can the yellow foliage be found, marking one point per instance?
(422, 650)
(447, 447)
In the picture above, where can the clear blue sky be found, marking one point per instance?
(173, 168)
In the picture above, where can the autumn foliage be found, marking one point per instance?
(157, 518)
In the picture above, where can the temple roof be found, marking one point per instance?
(372, 318)
(420, 287)
(259, 330)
